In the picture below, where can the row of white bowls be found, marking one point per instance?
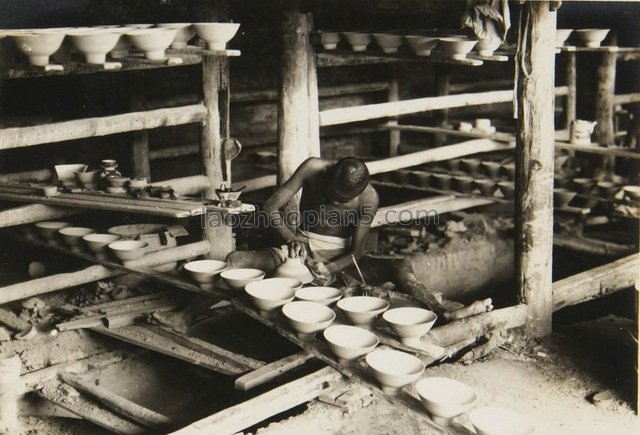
(76, 238)
(588, 37)
(96, 42)
(456, 47)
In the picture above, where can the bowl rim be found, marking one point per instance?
(369, 334)
(87, 237)
(64, 231)
(392, 311)
(45, 225)
(321, 307)
(343, 301)
(371, 355)
(116, 246)
(337, 292)
(235, 269)
(188, 266)
(419, 390)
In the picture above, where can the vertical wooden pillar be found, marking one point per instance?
(605, 134)
(140, 146)
(298, 113)
(9, 386)
(393, 95)
(534, 164)
(572, 89)
(215, 88)
(443, 87)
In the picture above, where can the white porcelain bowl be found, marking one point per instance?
(216, 35)
(128, 250)
(388, 42)
(592, 37)
(421, 45)
(358, 41)
(49, 229)
(68, 172)
(394, 369)
(486, 47)
(362, 310)
(184, 33)
(269, 294)
(445, 398)
(204, 271)
(98, 242)
(121, 50)
(329, 40)
(38, 45)
(72, 236)
(631, 192)
(410, 323)
(322, 295)
(562, 35)
(349, 343)
(457, 48)
(237, 279)
(153, 41)
(489, 420)
(95, 43)
(308, 317)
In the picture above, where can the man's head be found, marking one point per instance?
(347, 178)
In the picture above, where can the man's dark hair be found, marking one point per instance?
(348, 177)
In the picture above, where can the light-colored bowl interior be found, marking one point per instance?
(632, 192)
(242, 273)
(319, 294)
(51, 225)
(489, 420)
(206, 266)
(76, 232)
(272, 289)
(308, 312)
(153, 41)
(395, 363)
(445, 391)
(128, 245)
(350, 337)
(99, 241)
(135, 230)
(363, 304)
(68, 172)
(407, 316)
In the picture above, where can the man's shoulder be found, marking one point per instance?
(369, 195)
(314, 165)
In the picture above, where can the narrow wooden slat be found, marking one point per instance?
(626, 98)
(27, 214)
(271, 371)
(18, 137)
(597, 149)
(597, 282)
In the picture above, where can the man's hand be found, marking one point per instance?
(321, 273)
(298, 247)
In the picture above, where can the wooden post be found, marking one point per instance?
(393, 94)
(298, 114)
(605, 134)
(9, 386)
(572, 89)
(534, 165)
(443, 87)
(140, 146)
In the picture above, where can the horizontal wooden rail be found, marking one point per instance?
(597, 282)
(323, 92)
(626, 98)
(367, 112)
(18, 137)
(437, 154)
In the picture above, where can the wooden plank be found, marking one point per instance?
(592, 246)
(534, 166)
(253, 411)
(140, 146)
(626, 99)
(271, 371)
(148, 339)
(597, 282)
(257, 183)
(63, 396)
(597, 149)
(572, 86)
(18, 137)
(406, 107)
(116, 403)
(271, 95)
(605, 133)
(461, 149)
(500, 137)
(174, 151)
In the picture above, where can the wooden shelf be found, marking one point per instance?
(135, 62)
(329, 58)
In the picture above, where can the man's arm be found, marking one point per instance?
(284, 193)
(368, 209)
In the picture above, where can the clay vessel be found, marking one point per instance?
(294, 268)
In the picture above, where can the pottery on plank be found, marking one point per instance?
(410, 323)
(38, 45)
(362, 310)
(489, 420)
(294, 268)
(421, 45)
(216, 35)
(358, 41)
(238, 278)
(184, 33)
(394, 369)
(153, 41)
(457, 48)
(389, 43)
(349, 343)
(592, 37)
(308, 317)
(445, 398)
(94, 43)
(204, 272)
(322, 295)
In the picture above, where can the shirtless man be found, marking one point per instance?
(337, 207)
(336, 211)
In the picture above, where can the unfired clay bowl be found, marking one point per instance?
(38, 45)
(562, 35)
(272, 293)
(322, 295)
(410, 323)
(329, 40)
(95, 43)
(394, 369)
(457, 48)
(492, 169)
(489, 420)
(87, 177)
(584, 185)
(389, 43)
(486, 47)
(49, 229)
(184, 33)
(562, 197)
(421, 45)
(486, 186)
(98, 242)
(362, 310)
(308, 317)
(204, 272)
(445, 398)
(72, 236)
(507, 189)
(358, 41)
(592, 37)
(349, 343)
(216, 35)
(632, 192)
(128, 250)
(153, 42)
(237, 279)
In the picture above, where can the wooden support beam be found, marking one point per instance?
(215, 76)
(477, 326)
(605, 95)
(626, 99)
(271, 95)
(534, 165)
(436, 154)
(271, 371)
(572, 88)
(443, 87)
(36, 175)
(597, 282)
(253, 411)
(258, 183)
(27, 214)
(174, 151)
(393, 95)
(298, 128)
(19, 137)
(116, 403)
(10, 366)
(193, 185)
(140, 147)
(591, 246)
